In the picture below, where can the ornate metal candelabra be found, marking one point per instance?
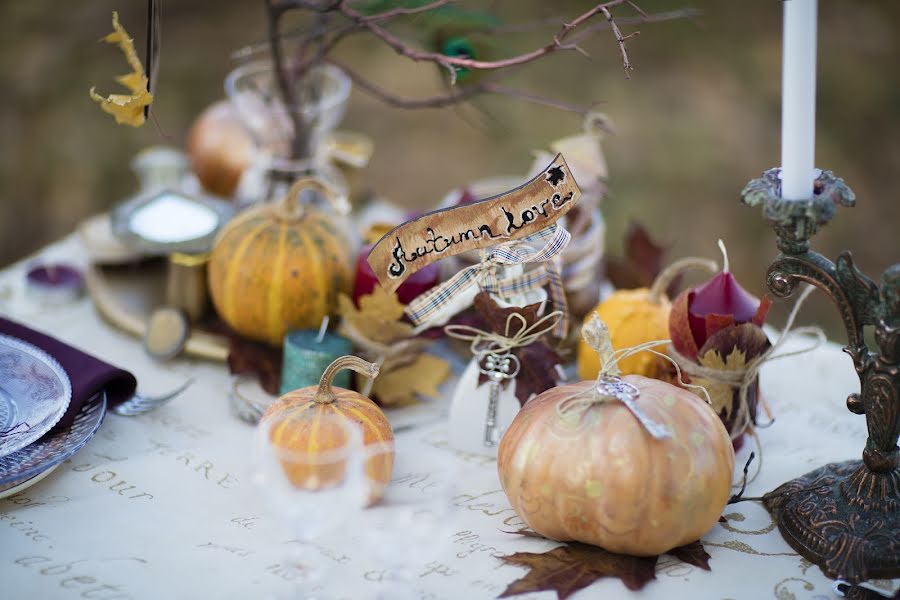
(844, 517)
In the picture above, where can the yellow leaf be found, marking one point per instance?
(721, 394)
(378, 316)
(403, 385)
(127, 109)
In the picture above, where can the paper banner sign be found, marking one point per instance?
(441, 233)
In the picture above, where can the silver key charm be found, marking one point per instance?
(626, 394)
(498, 368)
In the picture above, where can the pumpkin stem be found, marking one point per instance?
(325, 395)
(662, 281)
(291, 207)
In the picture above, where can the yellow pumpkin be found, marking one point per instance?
(279, 266)
(301, 427)
(595, 475)
(636, 317)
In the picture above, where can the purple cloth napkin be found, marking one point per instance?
(88, 375)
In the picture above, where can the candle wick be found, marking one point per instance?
(724, 256)
(322, 329)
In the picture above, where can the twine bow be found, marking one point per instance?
(487, 342)
(596, 335)
(742, 379)
(435, 305)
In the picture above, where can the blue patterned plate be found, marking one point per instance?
(34, 393)
(55, 447)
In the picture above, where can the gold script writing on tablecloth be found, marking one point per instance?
(518, 213)
(469, 539)
(75, 576)
(201, 466)
(112, 481)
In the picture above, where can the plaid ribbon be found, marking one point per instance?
(549, 243)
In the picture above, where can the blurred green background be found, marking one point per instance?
(698, 118)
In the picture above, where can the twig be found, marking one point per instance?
(274, 11)
(528, 26)
(556, 44)
(495, 88)
(453, 98)
(396, 12)
(621, 40)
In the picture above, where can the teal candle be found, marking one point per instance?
(305, 358)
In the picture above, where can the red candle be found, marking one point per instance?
(417, 283)
(718, 303)
(711, 318)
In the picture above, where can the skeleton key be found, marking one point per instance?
(626, 394)
(498, 368)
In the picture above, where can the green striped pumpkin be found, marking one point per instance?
(275, 268)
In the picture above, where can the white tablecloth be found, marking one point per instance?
(162, 506)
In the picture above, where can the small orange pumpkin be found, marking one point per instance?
(635, 317)
(301, 410)
(280, 266)
(601, 479)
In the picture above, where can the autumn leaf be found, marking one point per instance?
(721, 394)
(642, 262)
(692, 554)
(572, 567)
(407, 372)
(537, 361)
(729, 349)
(127, 109)
(253, 358)
(378, 317)
(402, 385)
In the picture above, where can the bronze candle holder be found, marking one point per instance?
(844, 517)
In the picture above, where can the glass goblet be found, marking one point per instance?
(311, 473)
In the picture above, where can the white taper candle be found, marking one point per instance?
(798, 104)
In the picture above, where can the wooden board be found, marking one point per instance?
(518, 213)
(125, 296)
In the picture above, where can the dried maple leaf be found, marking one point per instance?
(641, 264)
(402, 385)
(378, 317)
(569, 568)
(253, 358)
(692, 554)
(537, 361)
(127, 109)
(721, 394)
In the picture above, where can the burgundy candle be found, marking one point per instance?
(56, 283)
(712, 318)
(417, 283)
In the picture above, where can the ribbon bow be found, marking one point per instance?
(440, 303)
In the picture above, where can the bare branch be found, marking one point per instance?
(396, 12)
(298, 144)
(618, 33)
(554, 45)
(391, 99)
(495, 88)
(451, 99)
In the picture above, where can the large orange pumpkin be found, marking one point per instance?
(595, 475)
(279, 266)
(300, 427)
